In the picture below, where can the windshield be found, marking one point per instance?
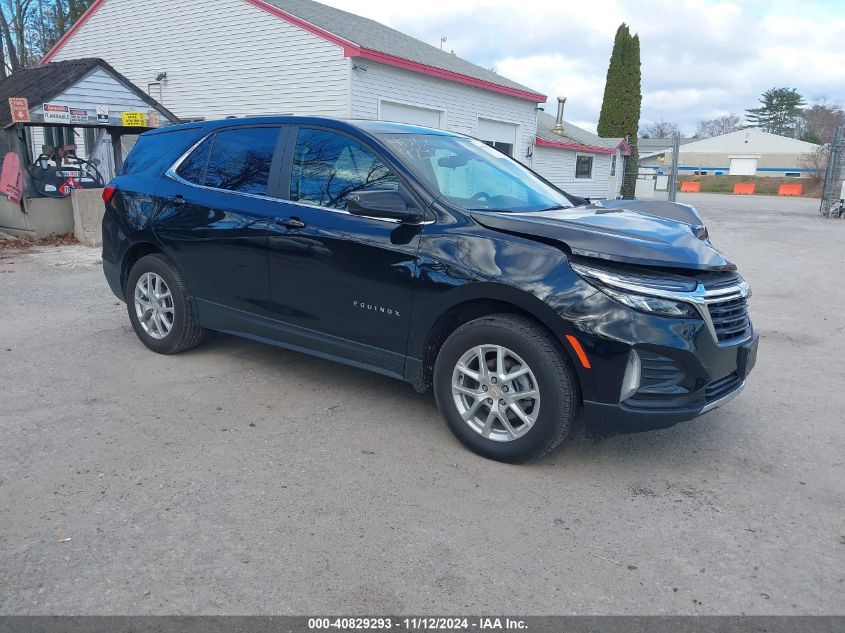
(472, 175)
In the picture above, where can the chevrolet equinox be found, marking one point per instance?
(434, 258)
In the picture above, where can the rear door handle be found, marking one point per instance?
(291, 223)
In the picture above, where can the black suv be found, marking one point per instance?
(430, 257)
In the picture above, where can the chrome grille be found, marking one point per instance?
(730, 319)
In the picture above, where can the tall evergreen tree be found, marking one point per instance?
(779, 112)
(620, 109)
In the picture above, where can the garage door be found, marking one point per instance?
(499, 134)
(743, 166)
(401, 113)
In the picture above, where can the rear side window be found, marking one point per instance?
(193, 167)
(240, 159)
(152, 147)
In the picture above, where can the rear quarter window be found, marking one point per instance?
(150, 148)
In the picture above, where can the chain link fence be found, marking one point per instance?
(833, 192)
(657, 183)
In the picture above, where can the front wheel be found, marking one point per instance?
(160, 308)
(505, 389)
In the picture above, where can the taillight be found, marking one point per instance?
(108, 193)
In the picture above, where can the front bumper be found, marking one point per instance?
(684, 371)
(604, 420)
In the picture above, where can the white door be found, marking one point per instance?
(743, 166)
(499, 134)
(401, 113)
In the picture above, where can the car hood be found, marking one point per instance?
(647, 233)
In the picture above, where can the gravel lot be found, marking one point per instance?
(240, 478)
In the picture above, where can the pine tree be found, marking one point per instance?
(779, 113)
(620, 110)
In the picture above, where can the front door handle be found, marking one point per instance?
(291, 223)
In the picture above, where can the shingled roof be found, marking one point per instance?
(375, 36)
(574, 137)
(42, 84)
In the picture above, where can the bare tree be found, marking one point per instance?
(28, 28)
(718, 126)
(659, 129)
(815, 162)
(15, 21)
(821, 119)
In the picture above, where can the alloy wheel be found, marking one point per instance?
(154, 305)
(496, 393)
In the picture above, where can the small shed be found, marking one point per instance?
(61, 130)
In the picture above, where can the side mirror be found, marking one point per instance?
(390, 205)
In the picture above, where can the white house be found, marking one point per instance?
(207, 59)
(748, 152)
(576, 160)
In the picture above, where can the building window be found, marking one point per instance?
(154, 90)
(613, 165)
(505, 148)
(792, 174)
(583, 166)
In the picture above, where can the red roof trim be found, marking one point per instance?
(440, 73)
(541, 142)
(95, 6)
(350, 49)
(292, 19)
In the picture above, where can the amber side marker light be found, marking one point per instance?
(578, 350)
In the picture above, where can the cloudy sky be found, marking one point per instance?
(700, 58)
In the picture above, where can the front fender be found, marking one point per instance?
(459, 268)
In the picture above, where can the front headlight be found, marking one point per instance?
(652, 305)
(633, 290)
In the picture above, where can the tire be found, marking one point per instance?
(549, 374)
(184, 331)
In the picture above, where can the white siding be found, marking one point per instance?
(558, 166)
(222, 57)
(462, 105)
(99, 88)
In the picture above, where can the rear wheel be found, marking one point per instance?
(505, 389)
(160, 309)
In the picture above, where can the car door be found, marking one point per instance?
(216, 206)
(340, 283)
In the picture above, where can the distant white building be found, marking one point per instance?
(206, 59)
(748, 152)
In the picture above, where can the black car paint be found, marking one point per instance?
(376, 294)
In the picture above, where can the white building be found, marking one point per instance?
(216, 58)
(576, 160)
(748, 152)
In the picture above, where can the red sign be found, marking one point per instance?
(20, 110)
(69, 185)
